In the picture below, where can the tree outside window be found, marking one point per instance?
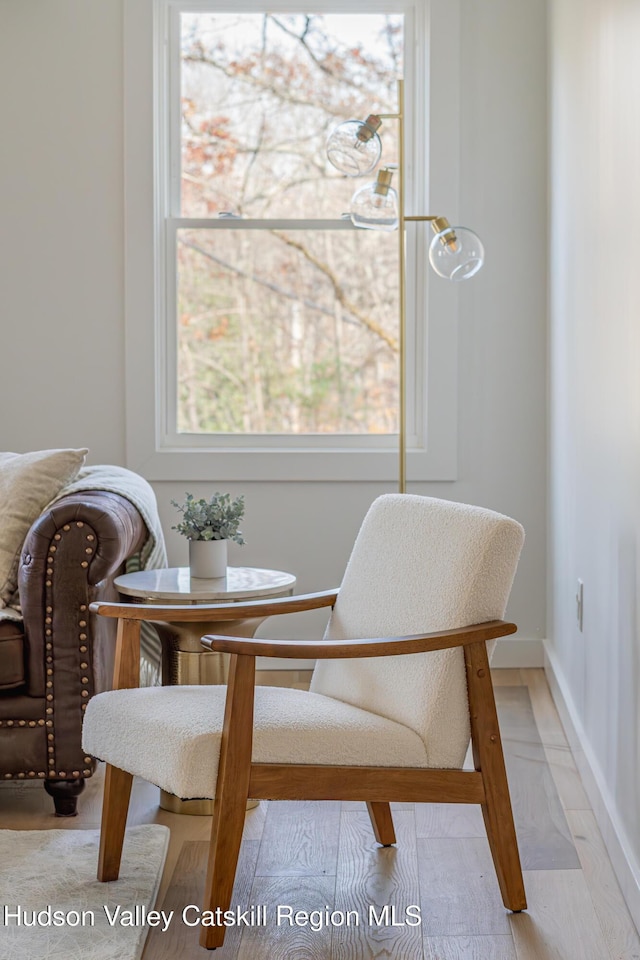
(286, 316)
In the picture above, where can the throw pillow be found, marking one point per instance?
(28, 482)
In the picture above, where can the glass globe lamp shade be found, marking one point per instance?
(373, 210)
(456, 253)
(354, 147)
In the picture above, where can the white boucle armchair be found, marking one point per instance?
(387, 718)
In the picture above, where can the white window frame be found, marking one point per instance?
(154, 448)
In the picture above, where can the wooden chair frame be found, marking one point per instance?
(239, 778)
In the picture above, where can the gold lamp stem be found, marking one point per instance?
(438, 224)
(402, 335)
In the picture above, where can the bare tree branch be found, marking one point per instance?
(303, 42)
(256, 279)
(252, 80)
(211, 364)
(341, 296)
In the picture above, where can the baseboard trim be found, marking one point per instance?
(623, 859)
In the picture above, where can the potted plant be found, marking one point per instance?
(209, 525)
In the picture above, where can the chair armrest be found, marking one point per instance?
(198, 612)
(376, 647)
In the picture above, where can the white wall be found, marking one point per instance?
(61, 223)
(595, 393)
(62, 293)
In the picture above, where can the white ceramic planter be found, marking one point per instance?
(208, 558)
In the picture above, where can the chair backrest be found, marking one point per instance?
(420, 565)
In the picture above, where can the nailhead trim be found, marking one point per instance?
(49, 723)
(48, 622)
(49, 650)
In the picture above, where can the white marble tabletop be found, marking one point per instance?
(176, 583)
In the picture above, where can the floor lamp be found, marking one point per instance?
(456, 253)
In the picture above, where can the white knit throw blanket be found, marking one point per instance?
(153, 554)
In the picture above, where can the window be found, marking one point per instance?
(287, 324)
(274, 321)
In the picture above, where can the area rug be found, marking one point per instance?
(52, 906)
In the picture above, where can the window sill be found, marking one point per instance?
(303, 465)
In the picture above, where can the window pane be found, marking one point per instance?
(260, 94)
(287, 332)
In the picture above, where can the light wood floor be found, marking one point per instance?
(312, 855)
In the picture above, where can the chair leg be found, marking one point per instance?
(115, 806)
(232, 791)
(382, 823)
(489, 760)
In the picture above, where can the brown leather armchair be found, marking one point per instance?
(53, 663)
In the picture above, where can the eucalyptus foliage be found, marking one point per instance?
(214, 519)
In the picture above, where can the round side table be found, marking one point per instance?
(184, 660)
